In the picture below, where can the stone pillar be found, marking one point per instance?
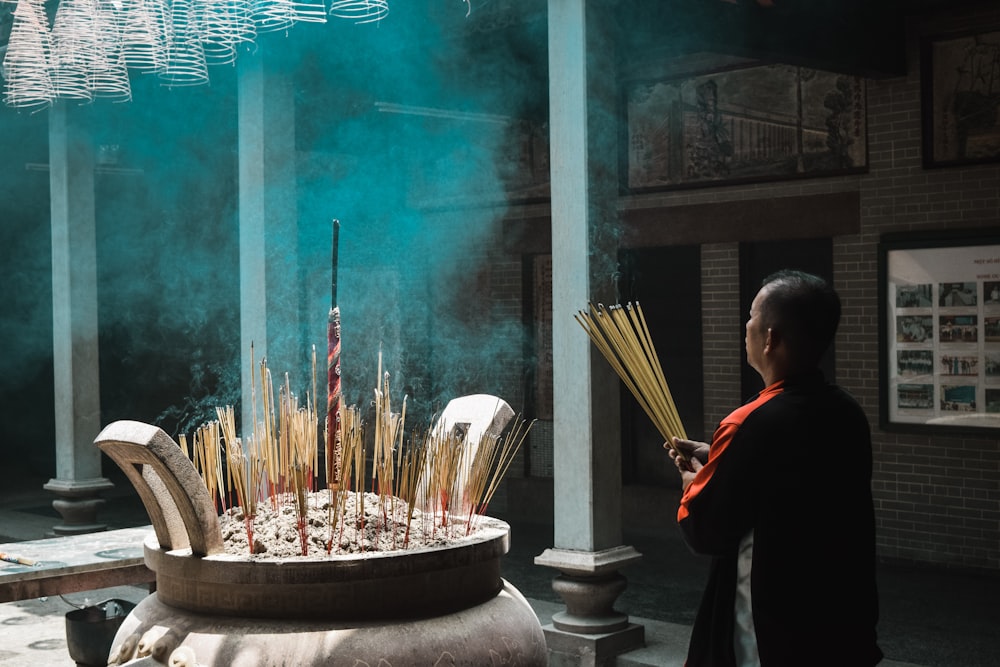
(78, 481)
(587, 445)
(268, 221)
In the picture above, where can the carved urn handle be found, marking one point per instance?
(172, 491)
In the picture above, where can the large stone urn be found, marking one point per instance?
(434, 606)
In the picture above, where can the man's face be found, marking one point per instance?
(756, 336)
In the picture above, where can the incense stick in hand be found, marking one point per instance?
(621, 335)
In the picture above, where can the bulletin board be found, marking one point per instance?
(939, 305)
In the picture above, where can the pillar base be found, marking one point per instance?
(590, 633)
(569, 649)
(589, 603)
(78, 502)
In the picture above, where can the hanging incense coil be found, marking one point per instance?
(146, 27)
(74, 47)
(27, 67)
(186, 64)
(310, 12)
(224, 26)
(108, 73)
(360, 11)
(273, 15)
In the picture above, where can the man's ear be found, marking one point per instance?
(773, 339)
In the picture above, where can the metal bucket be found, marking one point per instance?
(90, 631)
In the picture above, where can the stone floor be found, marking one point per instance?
(930, 618)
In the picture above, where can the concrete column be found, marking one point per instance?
(587, 450)
(268, 220)
(78, 481)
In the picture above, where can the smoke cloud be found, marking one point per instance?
(403, 133)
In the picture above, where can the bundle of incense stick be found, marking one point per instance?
(245, 474)
(207, 459)
(621, 335)
(349, 465)
(266, 437)
(352, 470)
(411, 467)
(244, 471)
(297, 429)
(228, 439)
(300, 482)
(447, 451)
(489, 465)
(389, 429)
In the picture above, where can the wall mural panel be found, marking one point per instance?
(961, 99)
(751, 124)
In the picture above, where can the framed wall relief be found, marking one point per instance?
(939, 332)
(757, 123)
(960, 80)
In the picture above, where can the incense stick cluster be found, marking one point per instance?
(277, 462)
(434, 482)
(621, 335)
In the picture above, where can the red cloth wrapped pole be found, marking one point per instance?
(334, 392)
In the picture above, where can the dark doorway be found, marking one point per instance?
(666, 282)
(757, 262)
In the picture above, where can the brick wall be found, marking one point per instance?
(722, 331)
(937, 498)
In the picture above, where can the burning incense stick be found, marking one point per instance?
(19, 560)
(621, 335)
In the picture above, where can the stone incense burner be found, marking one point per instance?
(427, 606)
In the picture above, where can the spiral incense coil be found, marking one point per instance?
(28, 80)
(360, 11)
(310, 12)
(186, 64)
(109, 73)
(146, 26)
(273, 15)
(224, 26)
(74, 46)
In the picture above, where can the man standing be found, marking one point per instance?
(782, 502)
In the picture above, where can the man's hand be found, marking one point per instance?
(697, 455)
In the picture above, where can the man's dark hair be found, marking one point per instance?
(805, 310)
